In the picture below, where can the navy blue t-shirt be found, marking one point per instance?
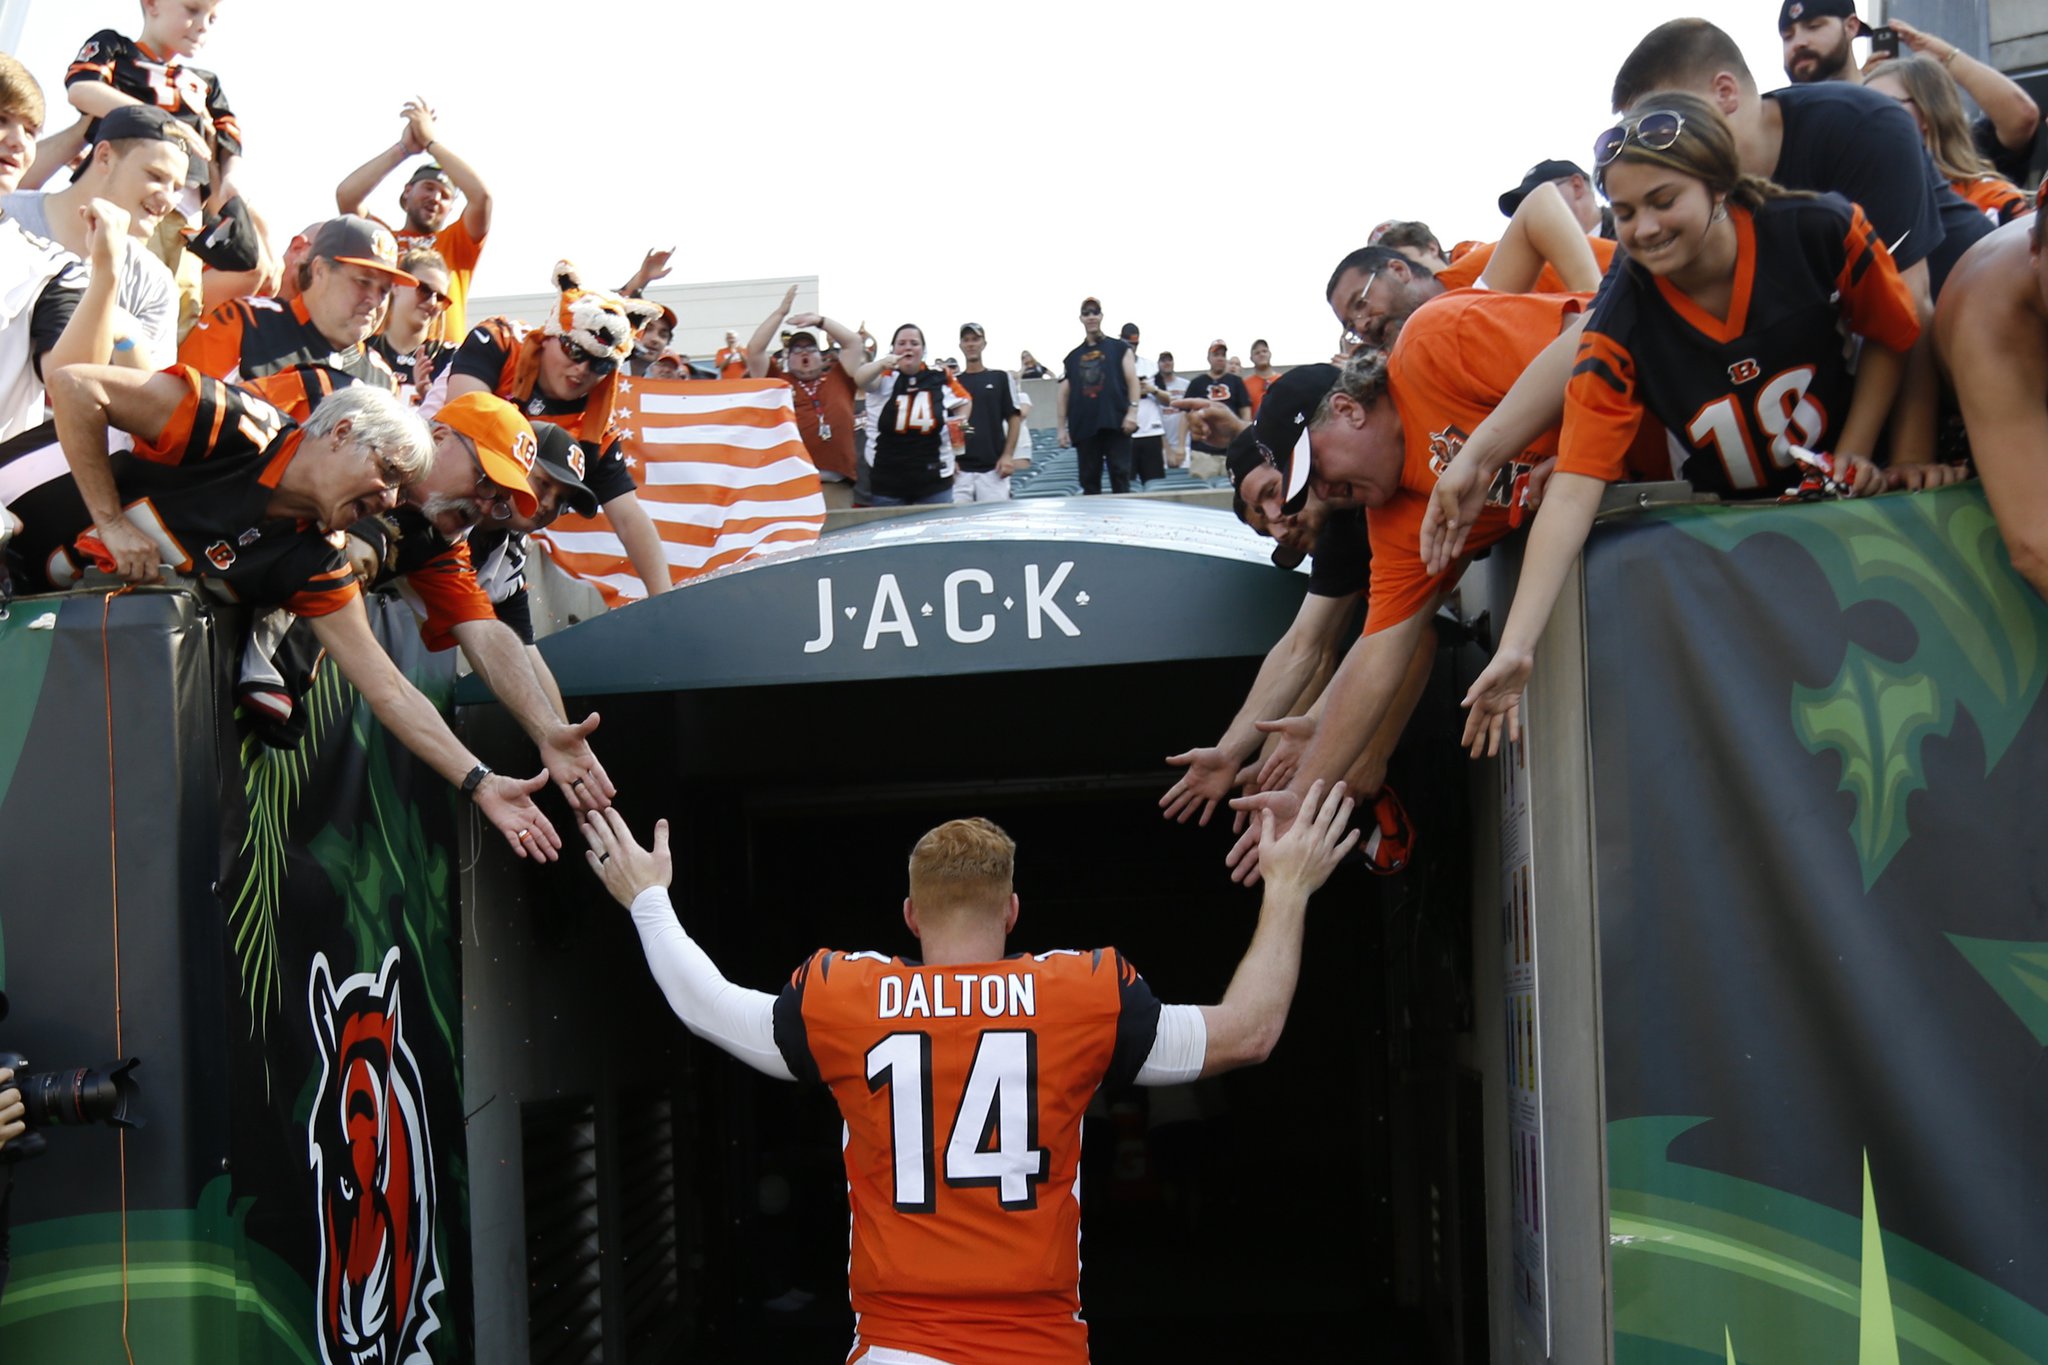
(1864, 146)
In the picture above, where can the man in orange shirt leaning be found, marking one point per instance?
(966, 1244)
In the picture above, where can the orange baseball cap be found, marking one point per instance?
(505, 443)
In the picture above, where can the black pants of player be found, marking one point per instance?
(1148, 457)
(1115, 445)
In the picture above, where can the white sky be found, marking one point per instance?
(1199, 166)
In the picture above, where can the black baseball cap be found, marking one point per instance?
(429, 172)
(354, 240)
(1792, 11)
(563, 460)
(142, 121)
(795, 339)
(1129, 329)
(1542, 173)
(975, 328)
(1281, 431)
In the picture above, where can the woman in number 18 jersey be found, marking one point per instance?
(1734, 320)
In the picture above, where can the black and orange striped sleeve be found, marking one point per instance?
(446, 586)
(1875, 299)
(214, 345)
(323, 588)
(95, 61)
(227, 133)
(1602, 411)
(1137, 1022)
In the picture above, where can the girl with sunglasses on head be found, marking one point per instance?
(1726, 321)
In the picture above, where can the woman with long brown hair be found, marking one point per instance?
(1929, 94)
(1724, 322)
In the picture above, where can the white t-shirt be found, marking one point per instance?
(28, 265)
(147, 291)
(1149, 414)
(1172, 421)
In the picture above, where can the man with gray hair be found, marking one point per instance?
(216, 483)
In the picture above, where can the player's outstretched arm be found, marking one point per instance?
(738, 1020)
(1244, 1027)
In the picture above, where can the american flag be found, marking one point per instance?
(722, 473)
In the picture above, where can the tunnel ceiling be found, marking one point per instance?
(1052, 583)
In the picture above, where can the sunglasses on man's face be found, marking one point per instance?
(1655, 131)
(596, 364)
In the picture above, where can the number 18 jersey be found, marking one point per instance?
(1736, 393)
(962, 1089)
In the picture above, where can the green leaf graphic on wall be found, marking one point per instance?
(1982, 640)
(272, 780)
(2018, 972)
(193, 1276)
(1707, 1266)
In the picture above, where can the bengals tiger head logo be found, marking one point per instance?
(373, 1174)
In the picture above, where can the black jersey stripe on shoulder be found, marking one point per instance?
(1598, 367)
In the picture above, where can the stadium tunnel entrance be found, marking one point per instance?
(638, 1196)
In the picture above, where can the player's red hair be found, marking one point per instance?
(964, 864)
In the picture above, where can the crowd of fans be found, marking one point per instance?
(1677, 310)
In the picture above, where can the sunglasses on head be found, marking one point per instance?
(1655, 131)
(597, 364)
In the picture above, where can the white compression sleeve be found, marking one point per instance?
(738, 1020)
(1178, 1048)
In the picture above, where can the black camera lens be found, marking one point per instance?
(83, 1094)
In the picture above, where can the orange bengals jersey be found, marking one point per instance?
(1454, 360)
(2000, 199)
(1469, 261)
(962, 1088)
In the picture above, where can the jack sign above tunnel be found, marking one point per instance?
(1008, 588)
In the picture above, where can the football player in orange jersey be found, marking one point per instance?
(962, 1078)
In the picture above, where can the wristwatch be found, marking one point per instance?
(474, 780)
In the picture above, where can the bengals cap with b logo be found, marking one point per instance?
(505, 443)
(354, 240)
(563, 461)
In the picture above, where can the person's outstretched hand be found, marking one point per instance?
(1210, 775)
(625, 868)
(507, 802)
(1301, 859)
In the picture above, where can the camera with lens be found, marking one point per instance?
(67, 1097)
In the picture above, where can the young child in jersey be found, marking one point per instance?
(1725, 322)
(113, 70)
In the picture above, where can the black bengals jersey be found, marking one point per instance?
(1225, 388)
(1736, 394)
(491, 353)
(199, 490)
(911, 413)
(114, 59)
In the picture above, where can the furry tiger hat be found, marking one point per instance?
(599, 322)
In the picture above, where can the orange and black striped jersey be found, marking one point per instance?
(1471, 259)
(963, 1089)
(185, 92)
(1737, 392)
(254, 338)
(432, 573)
(2000, 200)
(201, 489)
(491, 353)
(1455, 359)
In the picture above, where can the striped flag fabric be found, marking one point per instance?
(722, 473)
